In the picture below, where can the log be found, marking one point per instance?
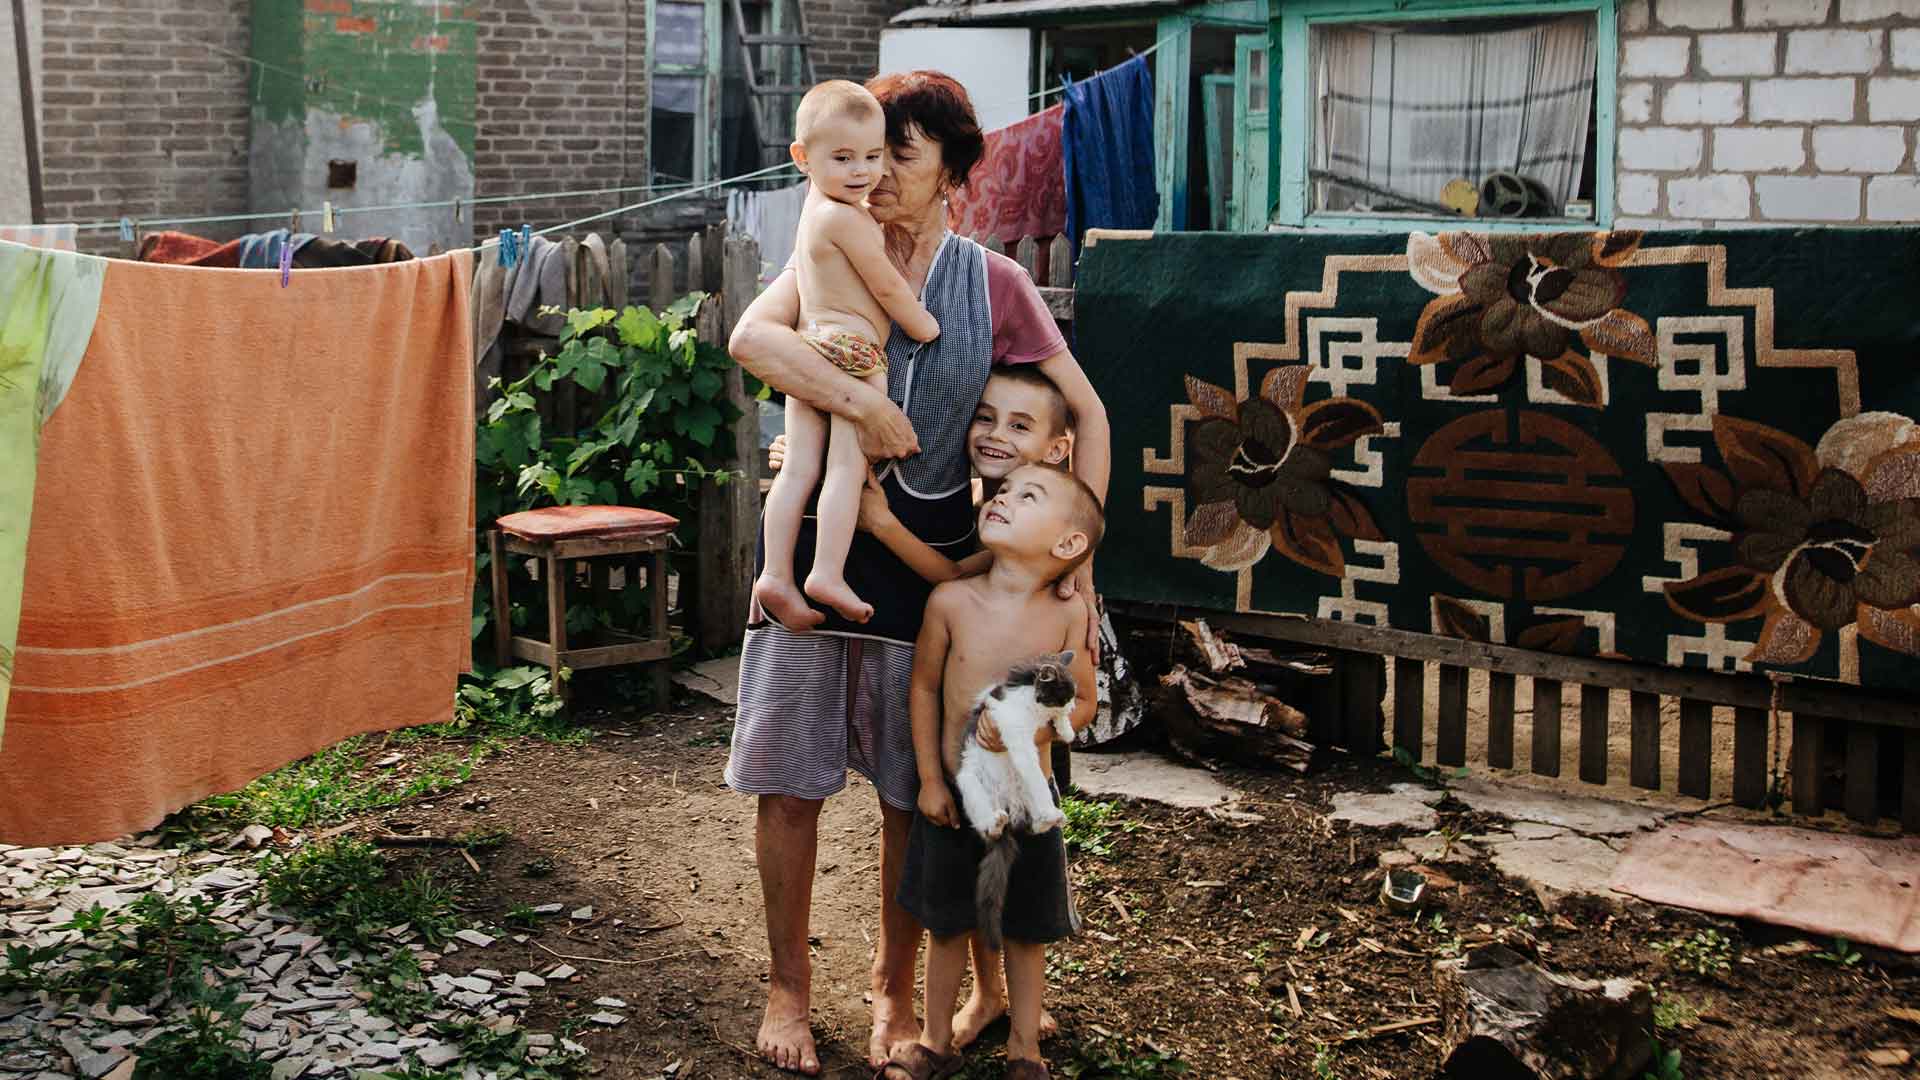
(1231, 720)
(1504, 1015)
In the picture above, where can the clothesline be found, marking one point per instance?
(678, 190)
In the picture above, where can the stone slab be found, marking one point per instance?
(1594, 817)
(1406, 806)
(1139, 775)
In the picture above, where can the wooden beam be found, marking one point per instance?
(1545, 759)
(1750, 756)
(1409, 705)
(29, 118)
(1596, 702)
(1696, 748)
(1450, 747)
(1500, 720)
(1800, 695)
(1059, 303)
(1643, 766)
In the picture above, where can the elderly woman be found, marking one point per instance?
(814, 704)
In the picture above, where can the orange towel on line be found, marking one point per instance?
(252, 536)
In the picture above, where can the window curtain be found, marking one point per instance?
(1407, 107)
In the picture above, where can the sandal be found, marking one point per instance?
(1027, 1069)
(917, 1062)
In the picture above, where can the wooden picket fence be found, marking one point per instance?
(1049, 263)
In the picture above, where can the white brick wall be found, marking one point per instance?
(1740, 113)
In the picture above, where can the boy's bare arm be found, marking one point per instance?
(866, 251)
(927, 708)
(877, 518)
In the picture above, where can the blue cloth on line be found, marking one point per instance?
(1106, 143)
(261, 251)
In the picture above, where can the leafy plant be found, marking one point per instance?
(654, 430)
(1666, 1064)
(506, 1053)
(341, 886)
(1705, 952)
(155, 946)
(1111, 1058)
(204, 1043)
(1842, 954)
(512, 703)
(1323, 1059)
(1091, 825)
(522, 916)
(1428, 774)
(398, 990)
(335, 784)
(1673, 1011)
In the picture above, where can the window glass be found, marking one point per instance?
(673, 104)
(679, 34)
(1434, 117)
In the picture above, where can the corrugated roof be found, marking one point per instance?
(1020, 12)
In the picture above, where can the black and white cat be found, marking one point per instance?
(1006, 793)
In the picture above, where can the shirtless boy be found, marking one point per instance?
(850, 295)
(1039, 527)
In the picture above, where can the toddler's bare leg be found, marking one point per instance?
(1026, 987)
(776, 592)
(839, 511)
(946, 965)
(988, 1002)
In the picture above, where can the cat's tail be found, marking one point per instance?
(990, 889)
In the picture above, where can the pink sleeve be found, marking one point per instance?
(1023, 329)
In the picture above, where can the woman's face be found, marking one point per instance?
(914, 184)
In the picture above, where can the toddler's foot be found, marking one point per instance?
(835, 593)
(784, 604)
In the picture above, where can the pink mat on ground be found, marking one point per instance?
(1864, 889)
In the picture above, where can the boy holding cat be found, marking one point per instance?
(1041, 525)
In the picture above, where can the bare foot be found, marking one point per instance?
(894, 1026)
(784, 604)
(979, 1014)
(835, 593)
(786, 1040)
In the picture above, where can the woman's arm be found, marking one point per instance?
(1092, 462)
(766, 344)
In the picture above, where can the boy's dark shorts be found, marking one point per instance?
(937, 886)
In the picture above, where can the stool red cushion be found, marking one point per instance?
(586, 522)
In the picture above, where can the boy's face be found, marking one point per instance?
(845, 155)
(1032, 516)
(1013, 426)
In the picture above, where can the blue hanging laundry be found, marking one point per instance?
(1106, 142)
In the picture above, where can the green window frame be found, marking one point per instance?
(706, 144)
(1291, 29)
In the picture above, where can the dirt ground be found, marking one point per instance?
(1195, 927)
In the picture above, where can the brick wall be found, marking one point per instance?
(847, 33)
(1768, 111)
(138, 118)
(561, 106)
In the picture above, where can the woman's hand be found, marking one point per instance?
(777, 452)
(885, 432)
(875, 514)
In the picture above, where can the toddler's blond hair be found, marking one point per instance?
(834, 99)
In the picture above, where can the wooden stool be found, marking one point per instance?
(559, 536)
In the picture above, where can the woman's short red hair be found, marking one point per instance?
(938, 105)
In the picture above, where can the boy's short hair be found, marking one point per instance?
(834, 99)
(1086, 515)
(1031, 375)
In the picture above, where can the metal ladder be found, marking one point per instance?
(778, 53)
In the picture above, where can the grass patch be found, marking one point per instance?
(507, 1054)
(335, 784)
(1092, 825)
(1116, 1059)
(342, 888)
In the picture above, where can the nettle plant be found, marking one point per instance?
(651, 399)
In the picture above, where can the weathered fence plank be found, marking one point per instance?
(1863, 773)
(1546, 727)
(1643, 766)
(1696, 748)
(1809, 738)
(1500, 719)
(1749, 757)
(1910, 785)
(660, 278)
(1450, 748)
(1595, 702)
(1409, 705)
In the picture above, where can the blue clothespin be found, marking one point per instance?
(507, 244)
(126, 229)
(286, 261)
(526, 239)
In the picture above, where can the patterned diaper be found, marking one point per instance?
(852, 353)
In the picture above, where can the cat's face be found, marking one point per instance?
(1051, 677)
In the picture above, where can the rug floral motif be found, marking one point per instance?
(1694, 449)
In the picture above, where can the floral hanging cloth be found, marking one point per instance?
(1019, 187)
(48, 301)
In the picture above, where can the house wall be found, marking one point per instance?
(140, 119)
(1768, 111)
